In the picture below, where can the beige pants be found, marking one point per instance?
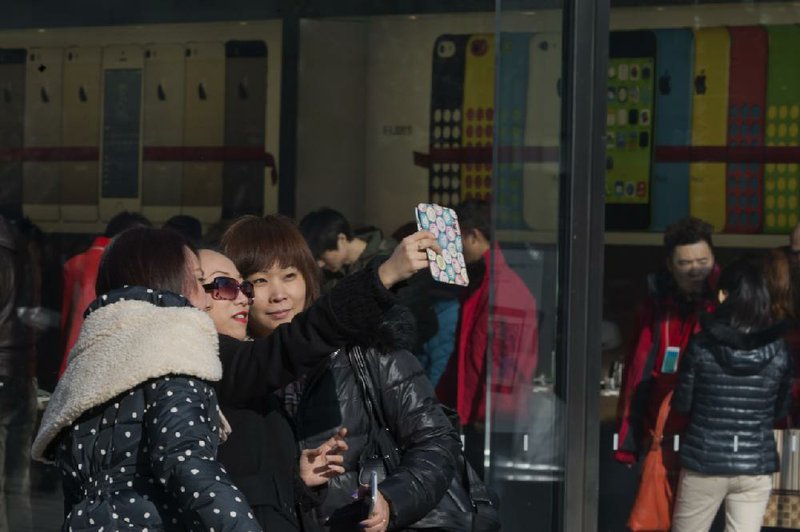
(699, 497)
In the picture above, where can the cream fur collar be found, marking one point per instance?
(121, 346)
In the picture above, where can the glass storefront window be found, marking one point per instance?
(701, 121)
(369, 111)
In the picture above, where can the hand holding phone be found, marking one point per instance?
(448, 266)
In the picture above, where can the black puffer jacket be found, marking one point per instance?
(429, 444)
(734, 385)
(134, 424)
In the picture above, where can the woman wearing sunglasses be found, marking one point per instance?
(261, 455)
(133, 424)
(272, 254)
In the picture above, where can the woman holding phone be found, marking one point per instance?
(272, 254)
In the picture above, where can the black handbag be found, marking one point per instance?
(467, 505)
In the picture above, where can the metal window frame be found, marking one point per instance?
(581, 241)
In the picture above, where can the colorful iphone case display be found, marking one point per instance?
(43, 102)
(631, 75)
(449, 265)
(673, 125)
(542, 130)
(783, 118)
(512, 70)
(245, 126)
(709, 123)
(12, 117)
(446, 125)
(746, 101)
(162, 127)
(80, 127)
(204, 127)
(120, 159)
(476, 177)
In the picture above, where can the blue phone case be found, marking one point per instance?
(673, 124)
(449, 266)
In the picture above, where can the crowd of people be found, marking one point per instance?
(219, 383)
(718, 347)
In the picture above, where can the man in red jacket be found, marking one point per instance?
(514, 340)
(665, 321)
(80, 274)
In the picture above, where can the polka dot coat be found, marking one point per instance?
(145, 460)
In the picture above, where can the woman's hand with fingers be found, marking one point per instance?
(378, 520)
(408, 258)
(319, 465)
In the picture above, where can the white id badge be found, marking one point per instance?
(670, 363)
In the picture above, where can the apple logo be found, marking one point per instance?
(665, 83)
(700, 83)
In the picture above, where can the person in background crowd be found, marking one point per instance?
(514, 351)
(189, 226)
(17, 390)
(133, 424)
(341, 251)
(272, 254)
(80, 273)
(435, 352)
(782, 282)
(665, 321)
(735, 380)
(794, 246)
(261, 454)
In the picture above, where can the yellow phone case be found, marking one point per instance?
(476, 178)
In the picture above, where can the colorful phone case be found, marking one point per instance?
(476, 178)
(673, 125)
(12, 117)
(245, 126)
(446, 124)
(43, 103)
(80, 126)
(162, 127)
(781, 181)
(542, 130)
(514, 50)
(631, 75)
(746, 99)
(204, 127)
(449, 266)
(121, 149)
(709, 123)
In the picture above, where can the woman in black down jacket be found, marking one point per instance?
(735, 381)
(272, 254)
(133, 423)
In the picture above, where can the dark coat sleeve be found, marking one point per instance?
(255, 369)
(684, 391)
(784, 404)
(428, 440)
(181, 427)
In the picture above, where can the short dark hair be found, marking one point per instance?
(748, 304)
(689, 230)
(321, 230)
(189, 226)
(144, 256)
(475, 214)
(124, 221)
(257, 244)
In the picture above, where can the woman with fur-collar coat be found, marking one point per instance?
(133, 424)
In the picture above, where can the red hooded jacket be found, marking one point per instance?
(80, 275)
(514, 346)
(662, 321)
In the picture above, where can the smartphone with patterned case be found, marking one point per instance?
(449, 265)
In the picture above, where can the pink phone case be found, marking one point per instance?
(449, 266)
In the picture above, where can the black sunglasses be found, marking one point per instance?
(228, 288)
